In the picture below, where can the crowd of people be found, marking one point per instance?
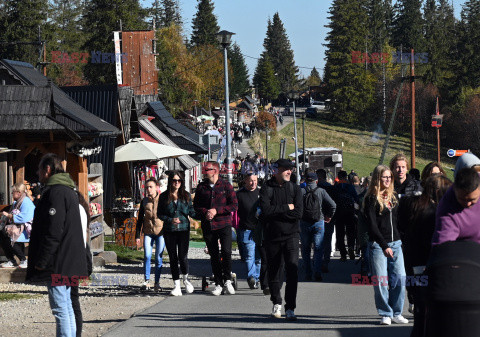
(392, 220)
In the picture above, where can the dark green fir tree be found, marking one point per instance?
(280, 53)
(239, 84)
(265, 80)
(102, 18)
(205, 26)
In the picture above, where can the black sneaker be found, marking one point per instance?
(351, 254)
(251, 282)
(266, 291)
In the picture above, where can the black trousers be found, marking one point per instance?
(10, 251)
(263, 268)
(345, 223)
(177, 246)
(77, 310)
(221, 267)
(286, 251)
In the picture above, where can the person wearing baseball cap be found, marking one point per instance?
(281, 205)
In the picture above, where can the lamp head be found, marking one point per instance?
(224, 38)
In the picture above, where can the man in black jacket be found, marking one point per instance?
(57, 252)
(405, 184)
(281, 204)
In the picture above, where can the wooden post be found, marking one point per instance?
(412, 69)
(437, 111)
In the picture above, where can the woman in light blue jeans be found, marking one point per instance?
(385, 248)
(152, 228)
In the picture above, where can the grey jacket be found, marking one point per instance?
(327, 204)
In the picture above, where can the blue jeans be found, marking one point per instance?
(250, 251)
(61, 304)
(389, 295)
(148, 242)
(312, 233)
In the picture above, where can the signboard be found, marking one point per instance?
(437, 121)
(456, 153)
(118, 64)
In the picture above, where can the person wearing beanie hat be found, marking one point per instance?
(466, 160)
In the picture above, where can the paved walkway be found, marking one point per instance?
(331, 308)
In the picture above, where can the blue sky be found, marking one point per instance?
(304, 21)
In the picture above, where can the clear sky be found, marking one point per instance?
(304, 21)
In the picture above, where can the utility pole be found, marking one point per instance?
(412, 71)
(303, 125)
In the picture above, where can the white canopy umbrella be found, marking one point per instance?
(138, 149)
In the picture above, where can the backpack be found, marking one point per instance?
(343, 199)
(311, 206)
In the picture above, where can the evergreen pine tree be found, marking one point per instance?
(379, 20)
(205, 26)
(351, 87)
(408, 25)
(240, 83)
(280, 53)
(314, 78)
(265, 80)
(65, 36)
(440, 42)
(166, 13)
(21, 21)
(469, 44)
(102, 18)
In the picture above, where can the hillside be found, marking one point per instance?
(361, 149)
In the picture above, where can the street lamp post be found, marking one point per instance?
(224, 37)
(266, 147)
(303, 125)
(294, 96)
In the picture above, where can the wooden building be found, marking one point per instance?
(37, 117)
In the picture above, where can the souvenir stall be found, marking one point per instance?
(145, 159)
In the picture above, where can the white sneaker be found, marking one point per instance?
(229, 288)
(399, 319)
(217, 291)
(277, 311)
(146, 285)
(176, 291)
(8, 264)
(188, 285)
(290, 315)
(23, 264)
(411, 308)
(385, 320)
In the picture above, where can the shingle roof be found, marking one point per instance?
(166, 117)
(245, 105)
(249, 100)
(27, 108)
(67, 111)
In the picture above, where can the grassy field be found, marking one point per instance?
(361, 149)
(10, 296)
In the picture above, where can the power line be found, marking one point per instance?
(257, 58)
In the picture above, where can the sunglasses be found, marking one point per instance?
(176, 180)
(209, 169)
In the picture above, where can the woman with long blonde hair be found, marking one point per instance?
(385, 247)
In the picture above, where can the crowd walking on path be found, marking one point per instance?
(394, 223)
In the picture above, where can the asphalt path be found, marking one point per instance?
(330, 308)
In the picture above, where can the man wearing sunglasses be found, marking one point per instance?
(214, 202)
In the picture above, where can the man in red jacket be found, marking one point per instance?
(214, 202)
